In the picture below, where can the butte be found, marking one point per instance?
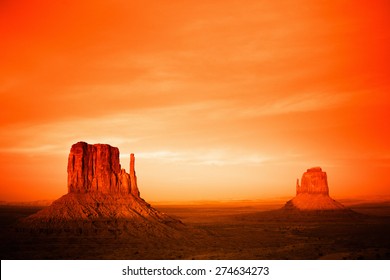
(102, 198)
(313, 193)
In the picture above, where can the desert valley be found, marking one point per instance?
(104, 217)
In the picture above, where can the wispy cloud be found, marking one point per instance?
(162, 127)
(209, 157)
(297, 103)
(32, 150)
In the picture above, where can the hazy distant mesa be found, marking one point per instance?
(313, 193)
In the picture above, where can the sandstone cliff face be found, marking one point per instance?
(96, 168)
(313, 193)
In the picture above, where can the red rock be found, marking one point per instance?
(133, 177)
(313, 193)
(101, 193)
(314, 169)
(314, 181)
(96, 168)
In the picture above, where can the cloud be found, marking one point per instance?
(181, 126)
(297, 103)
(216, 157)
(32, 150)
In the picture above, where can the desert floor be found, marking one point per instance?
(239, 230)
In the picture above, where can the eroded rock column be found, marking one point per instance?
(133, 177)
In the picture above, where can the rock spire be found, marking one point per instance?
(133, 178)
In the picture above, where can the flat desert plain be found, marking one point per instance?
(223, 230)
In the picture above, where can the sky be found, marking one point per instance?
(218, 100)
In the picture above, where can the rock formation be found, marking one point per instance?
(133, 179)
(313, 193)
(314, 181)
(101, 197)
(96, 168)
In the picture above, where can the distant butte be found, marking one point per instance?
(101, 197)
(313, 193)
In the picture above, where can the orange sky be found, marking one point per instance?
(217, 99)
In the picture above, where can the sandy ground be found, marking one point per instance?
(219, 231)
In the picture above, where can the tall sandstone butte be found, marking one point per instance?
(101, 193)
(313, 193)
(96, 168)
